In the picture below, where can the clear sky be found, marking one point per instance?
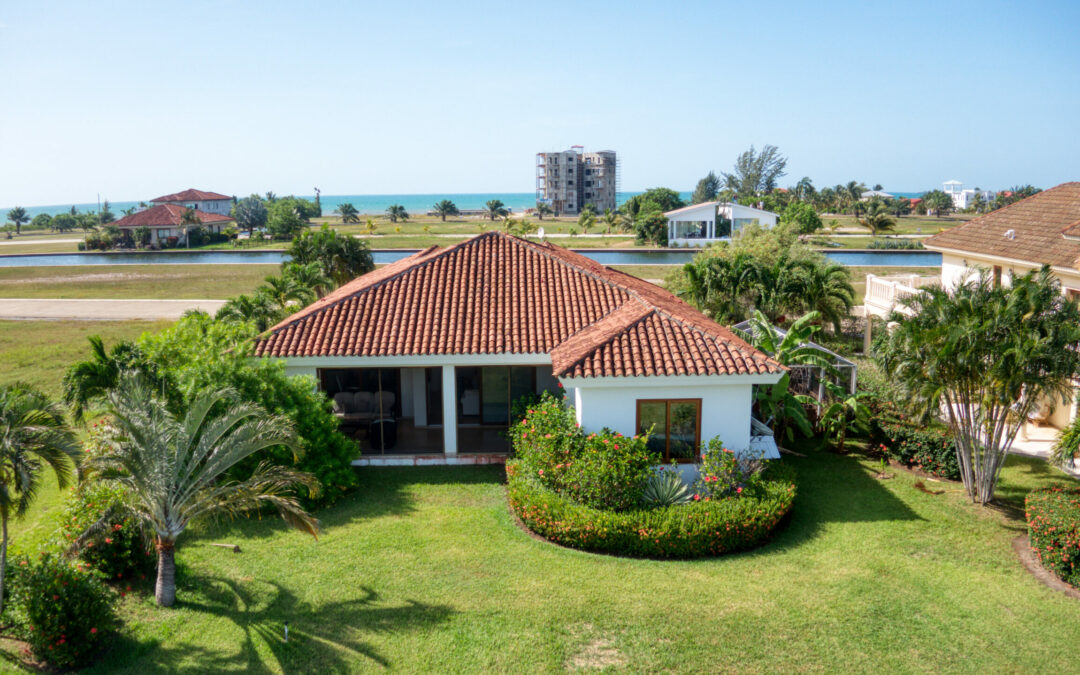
(135, 99)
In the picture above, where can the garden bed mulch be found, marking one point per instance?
(1031, 563)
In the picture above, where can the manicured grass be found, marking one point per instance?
(30, 247)
(646, 271)
(905, 224)
(133, 281)
(424, 570)
(38, 352)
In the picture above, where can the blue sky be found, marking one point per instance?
(131, 100)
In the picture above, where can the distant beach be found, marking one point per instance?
(375, 204)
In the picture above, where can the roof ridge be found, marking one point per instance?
(998, 212)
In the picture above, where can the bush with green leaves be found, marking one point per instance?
(1053, 519)
(699, 528)
(199, 353)
(725, 473)
(64, 611)
(604, 470)
(930, 449)
(113, 545)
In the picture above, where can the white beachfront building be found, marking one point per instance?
(964, 197)
(709, 222)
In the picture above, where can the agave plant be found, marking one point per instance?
(666, 488)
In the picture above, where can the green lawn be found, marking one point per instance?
(858, 276)
(424, 570)
(133, 281)
(906, 224)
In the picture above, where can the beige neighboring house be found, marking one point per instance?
(198, 200)
(165, 223)
(1043, 229)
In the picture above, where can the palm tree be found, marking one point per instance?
(397, 212)
(854, 190)
(804, 189)
(348, 213)
(18, 216)
(445, 208)
(309, 275)
(877, 218)
(89, 380)
(286, 293)
(257, 308)
(495, 209)
(189, 219)
(542, 209)
(586, 220)
(270, 196)
(610, 220)
(170, 468)
(32, 434)
(825, 288)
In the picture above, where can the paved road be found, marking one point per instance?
(101, 310)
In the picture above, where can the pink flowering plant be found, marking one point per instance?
(604, 470)
(725, 473)
(63, 610)
(1053, 520)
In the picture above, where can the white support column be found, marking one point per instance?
(419, 396)
(449, 410)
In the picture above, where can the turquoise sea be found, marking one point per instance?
(376, 204)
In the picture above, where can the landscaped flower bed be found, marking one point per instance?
(588, 491)
(699, 528)
(929, 450)
(1053, 518)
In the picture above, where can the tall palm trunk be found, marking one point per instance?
(165, 590)
(3, 558)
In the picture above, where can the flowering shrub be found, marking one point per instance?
(700, 528)
(723, 473)
(928, 449)
(64, 611)
(1053, 518)
(604, 471)
(116, 547)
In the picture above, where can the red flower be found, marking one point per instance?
(93, 630)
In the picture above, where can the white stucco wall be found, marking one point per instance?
(725, 409)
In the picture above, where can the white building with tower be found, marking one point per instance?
(963, 197)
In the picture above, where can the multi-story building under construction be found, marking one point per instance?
(567, 181)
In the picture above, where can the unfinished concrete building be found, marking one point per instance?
(568, 180)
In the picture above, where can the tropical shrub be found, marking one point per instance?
(699, 528)
(896, 244)
(929, 449)
(723, 473)
(1053, 518)
(200, 354)
(64, 611)
(605, 470)
(112, 544)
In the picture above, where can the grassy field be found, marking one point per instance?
(425, 570)
(132, 281)
(905, 224)
(858, 276)
(38, 352)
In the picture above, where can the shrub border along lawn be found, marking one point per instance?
(1053, 519)
(697, 529)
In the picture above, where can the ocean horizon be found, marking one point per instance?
(374, 204)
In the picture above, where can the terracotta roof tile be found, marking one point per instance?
(190, 195)
(500, 294)
(166, 215)
(1044, 230)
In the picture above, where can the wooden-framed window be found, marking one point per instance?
(675, 425)
(997, 276)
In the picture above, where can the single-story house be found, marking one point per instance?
(870, 194)
(165, 221)
(708, 222)
(441, 345)
(1043, 229)
(199, 200)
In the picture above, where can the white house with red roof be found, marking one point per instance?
(425, 357)
(166, 223)
(709, 222)
(199, 200)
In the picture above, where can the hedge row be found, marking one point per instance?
(685, 531)
(1053, 518)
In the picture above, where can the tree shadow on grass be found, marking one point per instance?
(322, 638)
(381, 492)
(835, 489)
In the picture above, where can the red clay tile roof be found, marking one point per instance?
(499, 294)
(191, 195)
(1039, 224)
(166, 215)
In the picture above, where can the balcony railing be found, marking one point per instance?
(884, 295)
